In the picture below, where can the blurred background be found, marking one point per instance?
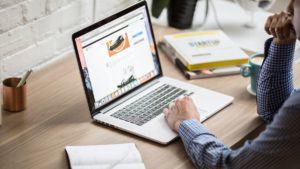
(34, 33)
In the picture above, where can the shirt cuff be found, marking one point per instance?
(281, 55)
(190, 129)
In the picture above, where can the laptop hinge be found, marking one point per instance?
(117, 103)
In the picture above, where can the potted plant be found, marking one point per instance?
(180, 12)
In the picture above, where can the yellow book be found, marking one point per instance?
(205, 49)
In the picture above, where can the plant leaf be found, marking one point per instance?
(158, 6)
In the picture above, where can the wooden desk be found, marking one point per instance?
(57, 115)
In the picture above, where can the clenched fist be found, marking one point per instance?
(281, 27)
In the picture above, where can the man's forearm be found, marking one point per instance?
(280, 139)
(204, 149)
(275, 83)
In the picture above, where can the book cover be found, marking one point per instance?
(197, 74)
(205, 50)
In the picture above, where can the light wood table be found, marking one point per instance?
(57, 115)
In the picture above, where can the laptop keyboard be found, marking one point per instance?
(149, 106)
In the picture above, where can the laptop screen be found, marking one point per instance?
(117, 57)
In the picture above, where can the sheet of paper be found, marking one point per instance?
(115, 156)
(0, 103)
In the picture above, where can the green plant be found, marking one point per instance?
(158, 6)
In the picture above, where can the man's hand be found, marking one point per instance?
(281, 27)
(180, 110)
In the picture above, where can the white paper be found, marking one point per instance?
(1, 102)
(117, 156)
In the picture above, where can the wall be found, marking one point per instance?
(276, 6)
(33, 32)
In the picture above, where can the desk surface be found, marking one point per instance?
(57, 115)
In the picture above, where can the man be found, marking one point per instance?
(278, 104)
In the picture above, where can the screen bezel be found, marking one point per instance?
(97, 25)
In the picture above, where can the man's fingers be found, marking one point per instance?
(178, 104)
(286, 30)
(268, 24)
(273, 25)
(188, 99)
(180, 97)
(279, 25)
(166, 112)
(290, 27)
(286, 25)
(171, 105)
(279, 30)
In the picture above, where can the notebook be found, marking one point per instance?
(114, 156)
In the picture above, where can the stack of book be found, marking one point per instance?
(203, 54)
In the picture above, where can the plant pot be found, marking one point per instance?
(181, 13)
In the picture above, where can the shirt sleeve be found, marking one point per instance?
(204, 149)
(275, 148)
(275, 82)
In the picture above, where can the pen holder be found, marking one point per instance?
(14, 98)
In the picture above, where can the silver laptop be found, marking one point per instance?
(123, 80)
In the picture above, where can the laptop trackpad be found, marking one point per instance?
(210, 103)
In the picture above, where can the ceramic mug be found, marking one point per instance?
(252, 70)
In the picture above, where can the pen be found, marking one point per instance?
(24, 78)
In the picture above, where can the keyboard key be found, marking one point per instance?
(149, 106)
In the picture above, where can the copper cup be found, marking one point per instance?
(14, 98)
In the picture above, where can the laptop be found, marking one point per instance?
(123, 81)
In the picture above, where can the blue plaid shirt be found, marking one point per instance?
(276, 147)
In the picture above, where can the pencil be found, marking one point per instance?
(24, 78)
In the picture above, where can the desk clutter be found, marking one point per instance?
(114, 156)
(203, 54)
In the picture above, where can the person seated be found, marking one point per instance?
(278, 104)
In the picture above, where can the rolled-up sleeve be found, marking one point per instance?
(275, 82)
